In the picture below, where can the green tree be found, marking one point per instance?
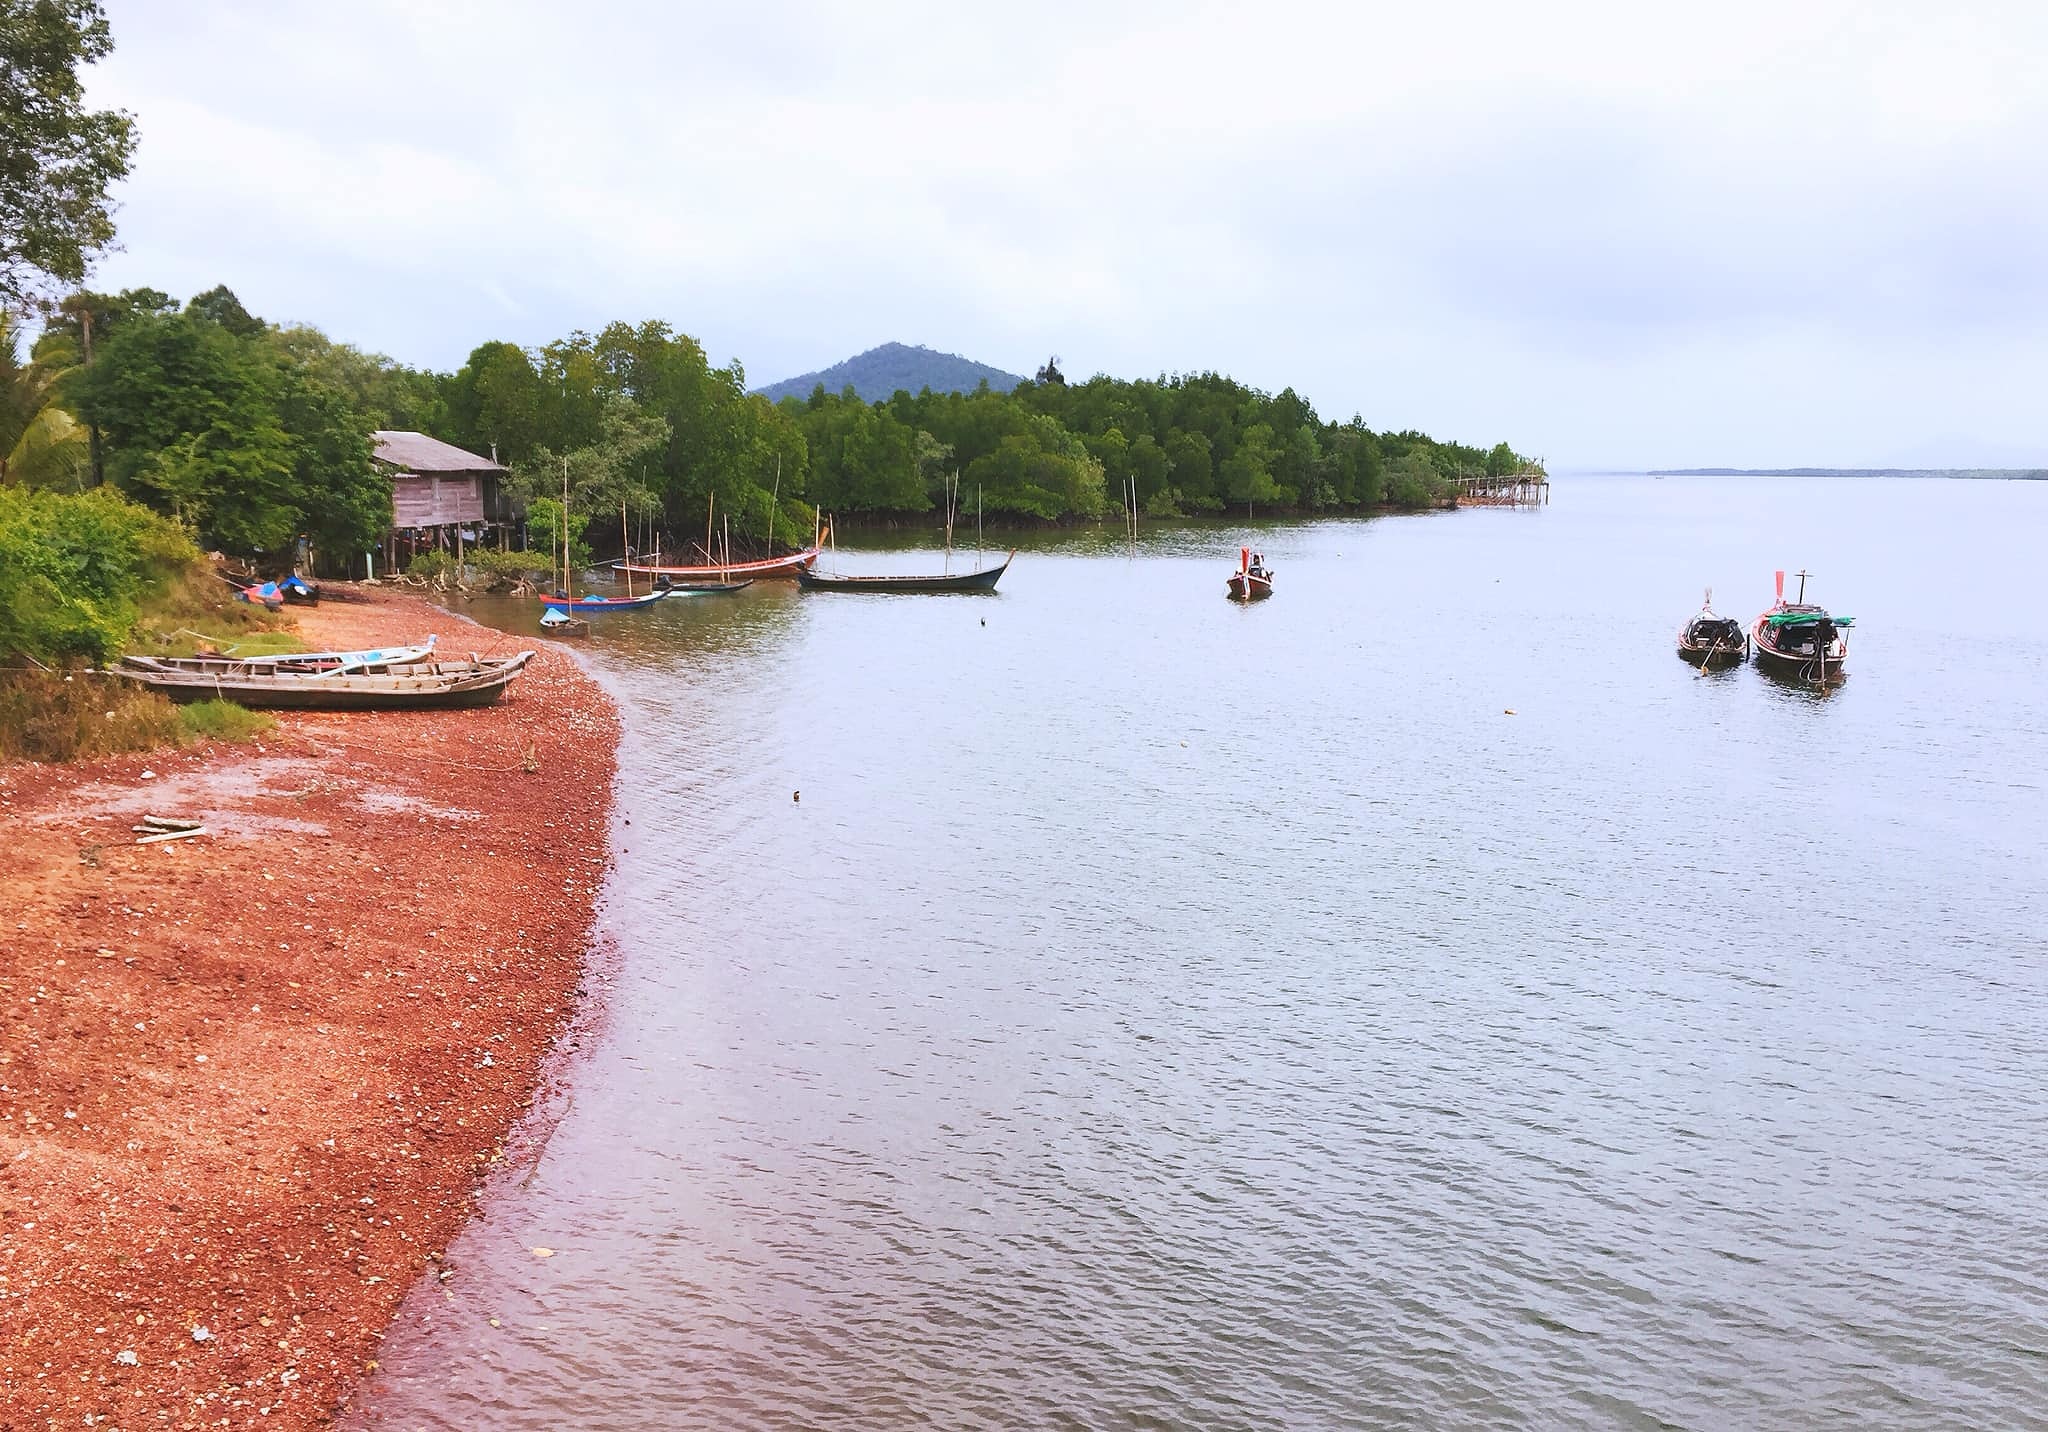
(219, 305)
(1413, 480)
(190, 422)
(1043, 471)
(387, 394)
(57, 158)
(223, 432)
(1247, 474)
(619, 467)
(41, 445)
(343, 503)
(496, 404)
(1148, 466)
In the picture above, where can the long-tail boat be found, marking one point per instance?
(430, 685)
(701, 589)
(1253, 579)
(1801, 640)
(1711, 640)
(785, 566)
(983, 581)
(562, 602)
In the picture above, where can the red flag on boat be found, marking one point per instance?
(1781, 588)
(1244, 559)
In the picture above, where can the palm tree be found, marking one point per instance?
(41, 444)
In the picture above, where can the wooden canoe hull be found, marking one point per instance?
(296, 663)
(788, 566)
(704, 589)
(982, 581)
(430, 686)
(1714, 655)
(1246, 588)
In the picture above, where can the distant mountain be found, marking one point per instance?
(880, 372)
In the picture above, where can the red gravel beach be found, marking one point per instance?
(250, 1081)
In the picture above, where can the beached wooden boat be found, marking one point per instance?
(983, 581)
(787, 566)
(430, 685)
(1711, 640)
(587, 603)
(1800, 640)
(1253, 579)
(312, 660)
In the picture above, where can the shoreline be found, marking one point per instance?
(253, 1082)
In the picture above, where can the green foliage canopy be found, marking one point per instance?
(57, 158)
(212, 423)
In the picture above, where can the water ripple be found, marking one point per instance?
(1156, 1014)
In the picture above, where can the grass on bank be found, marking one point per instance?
(219, 720)
(82, 715)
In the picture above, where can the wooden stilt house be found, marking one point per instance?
(441, 496)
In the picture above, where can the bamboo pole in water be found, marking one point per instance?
(952, 484)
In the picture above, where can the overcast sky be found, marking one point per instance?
(1801, 232)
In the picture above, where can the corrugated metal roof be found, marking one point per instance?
(416, 452)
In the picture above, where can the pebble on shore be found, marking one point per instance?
(250, 1084)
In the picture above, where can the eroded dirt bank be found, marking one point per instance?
(249, 1081)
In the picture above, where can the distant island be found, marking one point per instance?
(881, 373)
(2023, 474)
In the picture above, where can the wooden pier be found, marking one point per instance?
(1528, 487)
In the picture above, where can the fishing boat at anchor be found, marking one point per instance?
(1710, 640)
(1253, 579)
(1801, 640)
(563, 602)
(701, 589)
(719, 576)
(983, 581)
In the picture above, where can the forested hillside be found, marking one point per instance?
(254, 434)
(895, 367)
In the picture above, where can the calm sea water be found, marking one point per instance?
(1420, 999)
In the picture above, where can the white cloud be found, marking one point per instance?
(1614, 232)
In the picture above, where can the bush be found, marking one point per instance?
(76, 570)
(483, 564)
(510, 566)
(219, 720)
